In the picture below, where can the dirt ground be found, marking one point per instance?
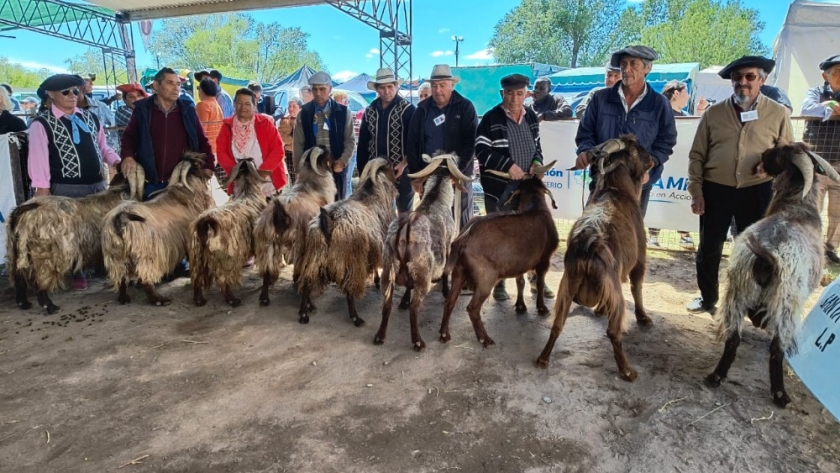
(215, 389)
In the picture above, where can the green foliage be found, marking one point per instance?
(235, 44)
(93, 61)
(21, 77)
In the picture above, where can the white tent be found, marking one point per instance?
(708, 84)
(810, 34)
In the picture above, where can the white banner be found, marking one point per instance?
(7, 195)
(819, 349)
(670, 203)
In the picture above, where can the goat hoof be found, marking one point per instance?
(24, 305)
(444, 338)
(543, 311)
(781, 399)
(712, 381)
(630, 375)
(358, 322)
(403, 305)
(124, 299)
(311, 308)
(51, 308)
(378, 341)
(162, 302)
(235, 302)
(542, 362)
(304, 319)
(265, 301)
(200, 302)
(419, 345)
(487, 342)
(644, 320)
(520, 308)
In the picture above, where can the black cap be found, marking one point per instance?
(59, 82)
(197, 75)
(760, 62)
(515, 81)
(830, 62)
(610, 68)
(638, 50)
(215, 74)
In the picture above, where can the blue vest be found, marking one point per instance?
(336, 121)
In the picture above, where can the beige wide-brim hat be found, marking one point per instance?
(384, 75)
(443, 72)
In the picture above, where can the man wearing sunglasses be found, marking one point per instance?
(67, 146)
(723, 182)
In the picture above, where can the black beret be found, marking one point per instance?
(639, 51)
(59, 82)
(760, 62)
(830, 62)
(515, 81)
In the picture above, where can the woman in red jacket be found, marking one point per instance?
(248, 134)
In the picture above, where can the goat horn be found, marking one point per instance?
(136, 180)
(803, 162)
(434, 163)
(314, 153)
(825, 168)
(548, 193)
(185, 172)
(371, 169)
(610, 146)
(538, 170)
(427, 158)
(234, 173)
(453, 169)
(498, 173)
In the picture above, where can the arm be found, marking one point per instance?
(39, 157)
(563, 110)
(273, 162)
(812, 107)
(663, 146)
(412, 143)
(469, 124)
(697, 158)
(108, 154)
(487, 156)
(224, 152)
(349, 139)
(130, 137)
(362, 151)
(586, 137)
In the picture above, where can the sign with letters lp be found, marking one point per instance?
(818, 358)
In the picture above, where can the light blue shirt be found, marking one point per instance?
(225, 102)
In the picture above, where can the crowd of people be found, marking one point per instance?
(68, 143)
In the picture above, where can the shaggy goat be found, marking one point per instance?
(605, 246)
(147, 240)
(223, 237)
(776, 263)
(344, 243)
(49, 237)
(418, 243)
(491, 247)
(282, 225)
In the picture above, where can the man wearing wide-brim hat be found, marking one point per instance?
(723, 182)
(384, 131)
(823, 134)
(446, 122)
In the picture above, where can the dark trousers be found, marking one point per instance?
(405, 198)
(747, 205)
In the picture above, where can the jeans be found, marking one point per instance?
(343, 180)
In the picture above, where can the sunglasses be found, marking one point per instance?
(750, 76)
(66, 92)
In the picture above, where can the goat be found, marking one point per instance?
(344, 242)
(605, 246)
(147, 240)
(222, 238)
(281, 227)
(491, 247)
(51, 236)
(776, 263)
(418, 243)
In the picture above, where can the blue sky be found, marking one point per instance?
(349, 47)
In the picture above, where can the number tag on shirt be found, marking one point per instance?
(326, 127)
(749, 116)
(439, 120)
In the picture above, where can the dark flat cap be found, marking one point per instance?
(214, 73)
(830, 62)
(610, 68)
(515, 81)
(638, 50)
(59, 82)
(760, 62)
(197, 75)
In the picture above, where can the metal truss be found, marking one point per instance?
(393, 20)
(94, 27)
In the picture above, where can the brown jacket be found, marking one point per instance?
(727, 152)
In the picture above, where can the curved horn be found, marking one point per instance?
(234, 173)
(826, 169)
(453, 169)
(434, 163)
(185, 173)
(803, 162)
(136, 182)
(498, 173)
(550, 196)
(538, 170)
(371, 169)
(314, 153)
(610, 146)
(176, 173)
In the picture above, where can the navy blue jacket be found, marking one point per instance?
(459, 134)
(651, 121)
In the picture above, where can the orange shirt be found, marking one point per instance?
(210, 115)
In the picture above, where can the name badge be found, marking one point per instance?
(439, 120)
(749, 116)
(326, 127)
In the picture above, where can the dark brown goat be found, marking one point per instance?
(491, 247)
(605, 246)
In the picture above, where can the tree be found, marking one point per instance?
(235, 44)
(562, 32)
(21, 77)
(93, 61)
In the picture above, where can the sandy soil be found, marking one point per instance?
(250, 390)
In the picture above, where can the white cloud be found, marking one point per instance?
(443, 30)
(344, 76)
(483, 55)
(442, 53)
(39, 65)
(373, 52)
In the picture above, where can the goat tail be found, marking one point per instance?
(204, 240)
(403, 249)
(122, 219)
(324, 220)
(765, 267)
(116, 252)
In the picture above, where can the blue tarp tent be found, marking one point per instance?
(295, 80)
(358, 84)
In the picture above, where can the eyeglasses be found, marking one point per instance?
(750, 76)
(66, 92)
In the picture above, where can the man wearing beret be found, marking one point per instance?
(630, 106)
(325, 122)
(823, 134)
(508, 140)
(722, 178)
(67, 146)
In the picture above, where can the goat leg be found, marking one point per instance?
(458, 280)
(376, 278)
(387, 304)
(153, 296)
(45, 302)
(305, 303)
(405, 302)
(354, 315)
(541, 308)
(416, 339)
(444, 284)
(123, 297)
(230, 298)
(625, 371)
(561, 312)
(20, 293)
(264, 299)
(729, 350)
(777, 375)
(474, 310)
(637, 276)
(198, 296)
(520, 306)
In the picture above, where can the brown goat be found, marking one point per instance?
(222, 238)
(605, 246)
(491, 247)
(281, 227)
(51, 236)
